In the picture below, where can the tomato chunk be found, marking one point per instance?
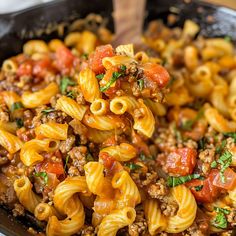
(203, 190)
(64, 59)
(95, 59)
(108, 161)
(52, 167)
(41, 67)
(111, 165)
(25, 69)
(156, 73)
(230, 180)
(181, 162)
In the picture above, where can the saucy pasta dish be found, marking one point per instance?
(96, 140)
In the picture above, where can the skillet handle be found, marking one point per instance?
(128, 17)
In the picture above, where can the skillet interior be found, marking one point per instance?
(16, 28)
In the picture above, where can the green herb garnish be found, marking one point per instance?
(66, 162)
(115, 76)
(198, 188)
(71, 94)
(214, 164)
(221, 147)
(85, 56)
(16, 106)
(44, 175)
(177, 134)
(224, 161)
(65, 82)
(46, 111)
(175, 181)
(143, 157)
(19, 123)
(89, 157)
(132, 166)
(232, 135)
(123, 68)
(100, 76)
(187, 125)
(141, 84)
(202, 143)
(220, 220)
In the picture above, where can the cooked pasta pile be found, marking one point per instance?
(96, 140)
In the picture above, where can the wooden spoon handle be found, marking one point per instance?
(128, 16)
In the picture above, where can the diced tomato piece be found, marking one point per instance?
(140, 144)
(182, 161)
(156, 73)
(64, 59)
(208, 193)
(230, 180)
(108, 161)
(41, 67)
(52, 167)
(25, 69)
(111, 165)
(95, 59)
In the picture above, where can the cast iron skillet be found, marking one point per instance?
(16, 28)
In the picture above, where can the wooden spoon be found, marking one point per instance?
(128, 17)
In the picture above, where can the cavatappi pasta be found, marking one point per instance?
(96, 140)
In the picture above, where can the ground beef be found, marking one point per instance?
(168, 205)
(18, 210)
(9, 196)
(193, 230)
(139, 226)
(80, 98)
(231, 217)
(66, 146)
(207, 157)
(142, 179)
(158, 190)
(25, 134)
(166, 141)
(28, 117)
(78, 156)
(80, 130)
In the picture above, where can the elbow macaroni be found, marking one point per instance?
(41, 97)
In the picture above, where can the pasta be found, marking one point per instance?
(123, 152)
(89, 85)
(26, 196)
(52, 130)
(156, 221)
(10, 142)
(128, 194)
(71, 108)
(43, 211)
(105, 122)
(116, 220)
(96, 140)
(96, 181)
(68, 203)
(30, 152)
(32, 100)
(186, 212)
(99, 107)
